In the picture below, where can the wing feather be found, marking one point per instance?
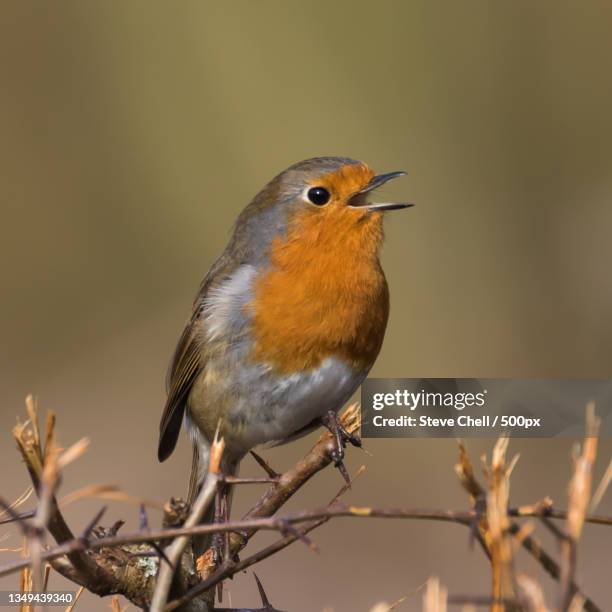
(186, 363)
(183, 371)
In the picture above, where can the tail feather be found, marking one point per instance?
(199, 470)
(199, 467)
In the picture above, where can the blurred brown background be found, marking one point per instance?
(132, 135)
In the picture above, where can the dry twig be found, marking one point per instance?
(105, 562)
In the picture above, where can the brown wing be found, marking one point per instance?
(186, 363)
(183, 371)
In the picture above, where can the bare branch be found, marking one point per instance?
(106, 562)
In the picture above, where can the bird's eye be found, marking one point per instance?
(318, 195)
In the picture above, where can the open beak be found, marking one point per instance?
(361, 202)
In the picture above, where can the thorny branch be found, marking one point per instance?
(136, 566)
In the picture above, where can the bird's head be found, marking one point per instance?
(318, 200)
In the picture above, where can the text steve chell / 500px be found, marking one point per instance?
(463, 420)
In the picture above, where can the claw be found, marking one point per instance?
(342, 469)
(353, 439)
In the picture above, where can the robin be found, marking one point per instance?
(288, 321)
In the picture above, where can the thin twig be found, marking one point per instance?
(270, 524)
(36, 456)
(579, 493)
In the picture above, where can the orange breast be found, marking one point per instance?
(325, 293)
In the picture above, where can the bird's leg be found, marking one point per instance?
(218, 539)
(340, 437)
(226, 518)
(225, 536)
(221, 539)
(224, 542)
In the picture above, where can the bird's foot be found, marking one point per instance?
(340, 437)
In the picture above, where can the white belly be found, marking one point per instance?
(274, 407)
